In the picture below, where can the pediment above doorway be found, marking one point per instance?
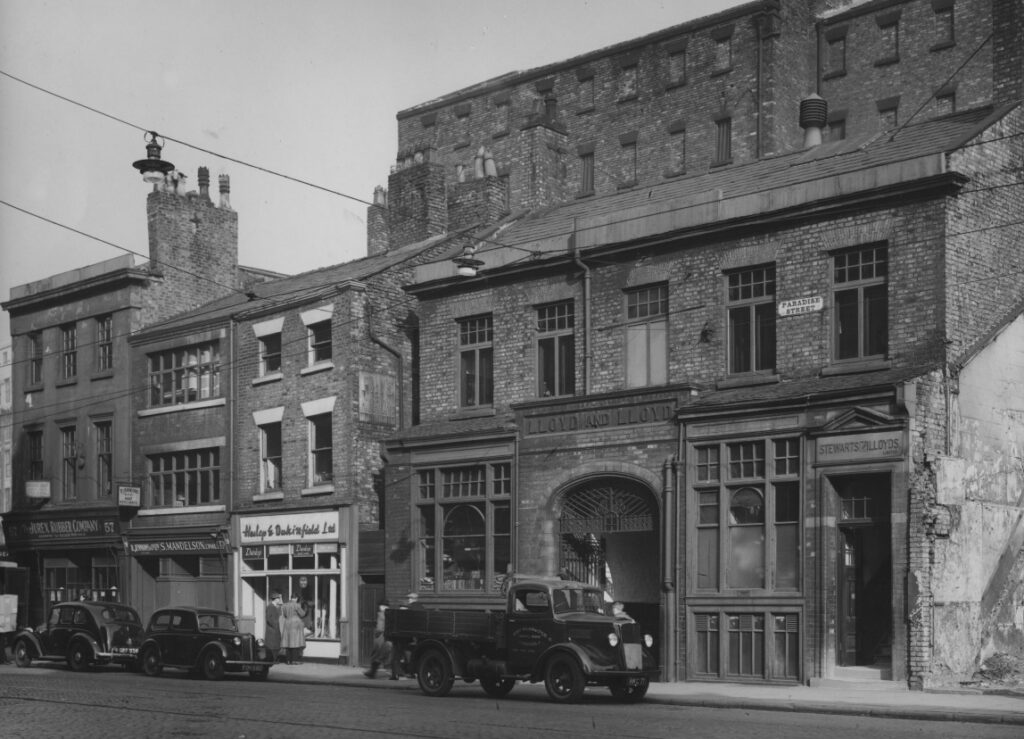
(859, 419)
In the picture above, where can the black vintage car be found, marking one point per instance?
(85, 634)
(203, 641)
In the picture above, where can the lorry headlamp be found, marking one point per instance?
(648, 641)
(613, 639)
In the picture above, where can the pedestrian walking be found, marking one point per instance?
(381, 653)
(293, 636)
(272, 638)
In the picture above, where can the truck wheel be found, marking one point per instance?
(213, 665)
(151, 664)
(79, 657)
(563, 679)
(497, 688)
(630, 689)
(435, 673)
(22, 654)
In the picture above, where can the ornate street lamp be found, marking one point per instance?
(153, 168)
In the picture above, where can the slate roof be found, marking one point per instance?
(931, 137)
(296, 288)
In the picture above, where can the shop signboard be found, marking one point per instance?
(291, 527)
(60, 529)
(129, 496)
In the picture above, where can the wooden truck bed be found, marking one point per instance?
(412, 623)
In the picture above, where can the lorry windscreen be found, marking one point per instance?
(578, 600)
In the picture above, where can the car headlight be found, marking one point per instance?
(260, 643)
(237, 641)
(613, 639)
(648, 641)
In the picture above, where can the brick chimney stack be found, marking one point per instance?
(204, 183)
(378, 237)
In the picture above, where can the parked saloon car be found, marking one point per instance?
(204, 641)
(85, 633)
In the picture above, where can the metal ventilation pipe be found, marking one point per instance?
(813, 117)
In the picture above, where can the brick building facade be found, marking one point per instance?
(728, 391)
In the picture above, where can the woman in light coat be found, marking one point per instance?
(293, 638)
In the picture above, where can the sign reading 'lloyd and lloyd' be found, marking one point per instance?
(851, 448)
(322, 526)
(599, 418)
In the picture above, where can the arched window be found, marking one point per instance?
(746, 538)
(464, 543)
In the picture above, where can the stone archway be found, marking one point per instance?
(608, 532)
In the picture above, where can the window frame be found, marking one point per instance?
(193, 476)
(267, 458)
(184, 374)
(723, 141)
(69, 462)
(104, 443)
(35, 358)
(475, 368)
(646, 311)
(444, 490)
(320, 454)
(105, 343)
(320, 346)
(756, 298)
(771, 466)
(866, 292)
(267, 353)
(35, 464)
(556, 339)
(587, 173)
(69, 351)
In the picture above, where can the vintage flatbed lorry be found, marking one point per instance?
(552, 630)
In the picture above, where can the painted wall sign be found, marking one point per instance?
(174, 546)
(322, 526)
(859, 447)
(37, 489)
(801, 305)
(61, 528)
(599, 418)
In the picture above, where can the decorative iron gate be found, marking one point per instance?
(588, 513)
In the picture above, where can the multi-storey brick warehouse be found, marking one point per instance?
(732, 393)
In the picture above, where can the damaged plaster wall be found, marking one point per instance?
(976, 525)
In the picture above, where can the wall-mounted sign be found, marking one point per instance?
(321, 526)
(129, 496)
(174, 546)
(302, 550)
(61, 528)
(801, 305)
(37, 489)
(598, 418)
(859, 447)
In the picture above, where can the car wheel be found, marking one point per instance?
(151, 664)
(213, 665)
(22, 654)
(261, 674)
(435, 673)
(563, 679)
(79, 657)
(497, 688)
(630, 689)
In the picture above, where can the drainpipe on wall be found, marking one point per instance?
(586, 309)
(668, 625)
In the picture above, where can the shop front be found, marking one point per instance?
(67, 557)
(168, 567)
(302, 553)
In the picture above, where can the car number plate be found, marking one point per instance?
(125, 650)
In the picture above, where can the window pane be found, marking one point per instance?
(847, 340)
(764, 336)
(876, 320)
(658, 337)
(739, 339)
(707, 558)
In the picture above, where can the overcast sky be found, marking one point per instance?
(308, 88)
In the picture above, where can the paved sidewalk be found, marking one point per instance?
(889, 700)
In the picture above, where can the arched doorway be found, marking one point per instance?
(608, 536)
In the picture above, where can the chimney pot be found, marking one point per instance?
(225, 191)
(204, 182)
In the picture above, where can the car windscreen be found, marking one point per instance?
(217, 622)
(115, 613)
